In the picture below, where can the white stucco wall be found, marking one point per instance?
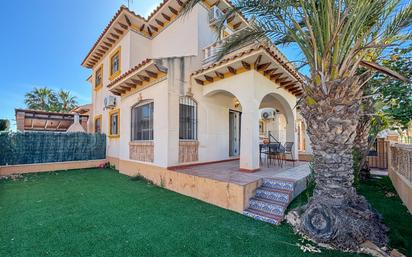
(140, 48)
(157, 93)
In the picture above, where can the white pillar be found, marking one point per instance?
(292, 133)
(166, 133)
(249, 144)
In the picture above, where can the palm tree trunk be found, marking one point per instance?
(336, 215)
(362, 146)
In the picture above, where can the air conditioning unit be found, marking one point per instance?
(267, 115)
(215, 14)
(109, 102)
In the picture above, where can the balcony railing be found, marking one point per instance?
(210, 52)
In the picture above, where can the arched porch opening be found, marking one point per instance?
(221, 124)
(278, 122)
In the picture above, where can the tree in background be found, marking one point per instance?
(4, 125)
(335, 38)
(397, 95)
(66, 102)
(387, 103)
(41, 99)
(46, 99)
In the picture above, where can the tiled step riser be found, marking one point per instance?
(278, 184)
(267, 207)
(261, 218)
(276, 196)
(270, 201)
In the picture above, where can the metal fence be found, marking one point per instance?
(46, 147)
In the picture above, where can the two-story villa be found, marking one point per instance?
(164, 101)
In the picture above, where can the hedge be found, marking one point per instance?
(46, 147)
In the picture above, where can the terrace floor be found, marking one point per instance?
(228, 171)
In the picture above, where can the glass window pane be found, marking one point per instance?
(97, 127)
(142, 122)
(114, 119)
(115, 63)
(187, 119)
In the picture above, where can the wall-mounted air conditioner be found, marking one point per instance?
(215, 14)
(267, 115)
(109, 102)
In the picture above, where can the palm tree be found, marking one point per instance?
(67, 102)
(336, 38)
(40, 99)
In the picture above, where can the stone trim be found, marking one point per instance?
(46, 167)
(188, 151)
(141, 151)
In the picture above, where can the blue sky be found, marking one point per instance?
(43, 43)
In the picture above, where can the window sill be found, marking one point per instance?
(98, 88)
(114, 136)
(141, 142)
(114, 75)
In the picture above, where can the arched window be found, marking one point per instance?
(142, 121)
(187, 118)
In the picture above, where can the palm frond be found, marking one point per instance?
(384, 70)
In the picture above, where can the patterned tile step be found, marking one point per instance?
(259, 215)
(278, 184)
(274, 194)
(269, 206)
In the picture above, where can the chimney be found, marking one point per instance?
(76, 126)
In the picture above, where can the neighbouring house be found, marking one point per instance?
(36, 120)
(163, 99)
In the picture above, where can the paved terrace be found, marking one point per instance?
(229, 172)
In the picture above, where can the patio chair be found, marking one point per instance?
(289, 150)
(275, 151)
(263, 150)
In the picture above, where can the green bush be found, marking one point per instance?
(4, 125)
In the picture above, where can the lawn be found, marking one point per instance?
(99, 212)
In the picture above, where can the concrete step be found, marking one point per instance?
(263, 216)
(279, 195)
(279, 183)
(269, 206)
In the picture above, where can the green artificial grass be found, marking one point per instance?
(99, 212)
(383, 197)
